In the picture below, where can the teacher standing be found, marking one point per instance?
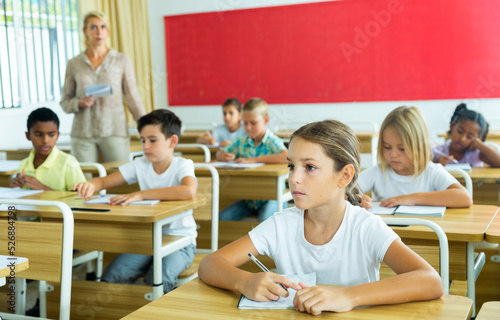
(100, 125)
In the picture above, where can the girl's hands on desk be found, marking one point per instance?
(263, 286)
(314, 300)
(405, 200)
(125, 199)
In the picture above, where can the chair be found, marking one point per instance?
(49, 248)
(192, 271)
(443, 244)
(80, 258)
(465, 175)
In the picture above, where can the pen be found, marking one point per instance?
(444, 154)
(263, 267)
(93, 197)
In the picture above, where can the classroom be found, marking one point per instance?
(354, 61)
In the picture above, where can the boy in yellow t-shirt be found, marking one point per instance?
(46, 168)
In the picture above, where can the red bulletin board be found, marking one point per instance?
(337, 51)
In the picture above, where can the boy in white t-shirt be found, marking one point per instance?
(160, 176)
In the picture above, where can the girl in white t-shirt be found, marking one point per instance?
(231, 129)
(406, 174)
(335, 238)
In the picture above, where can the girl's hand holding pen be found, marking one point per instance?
(265, 286)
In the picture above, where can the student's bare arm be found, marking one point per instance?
(185, 191)
(220, 269)
(487, 154)
(456, 196)
(416, 280)
(273, 158)
(87, 189)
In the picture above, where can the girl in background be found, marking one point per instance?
(405, 174)
(468, 131)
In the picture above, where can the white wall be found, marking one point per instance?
(437, 112)
(13, 126)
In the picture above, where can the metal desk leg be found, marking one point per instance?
(20, 296)
(471, 276)
(157, 265)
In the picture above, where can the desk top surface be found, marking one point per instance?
(493, 231)
(196, 299)
(5, 262)
(484, 174)
(463, 225)
(129, 213)
(489, 311)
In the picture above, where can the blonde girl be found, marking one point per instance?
(405, 174)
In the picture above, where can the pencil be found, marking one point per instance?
(263, 267)
(444, 154)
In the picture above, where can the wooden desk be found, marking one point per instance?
(266, 182)
(196, 300)
(124, 229)
(20, 154)
(190, 136)
(489, 311)
(5, 266)
(7, 168)
(486, 188)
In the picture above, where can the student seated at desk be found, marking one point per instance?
(230, 130)
(405, 174)
(260, 145)
(47, 167)
(335, 238)
(468, 131)
(161, 176)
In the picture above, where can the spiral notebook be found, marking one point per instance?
(281, 303)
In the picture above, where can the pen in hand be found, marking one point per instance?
(263, 267)
(446, 155)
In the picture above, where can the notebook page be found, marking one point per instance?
(281, 303)
(377, 209)
(104, 199)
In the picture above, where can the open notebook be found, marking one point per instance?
(281, 303)
(426, 211)
(463, 166)
(104, 199)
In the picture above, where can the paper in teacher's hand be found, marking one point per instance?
(98, 90)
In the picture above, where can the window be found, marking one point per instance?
(37, 37)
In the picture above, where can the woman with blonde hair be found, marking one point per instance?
(100, 124)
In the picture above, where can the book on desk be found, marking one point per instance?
(423, 211)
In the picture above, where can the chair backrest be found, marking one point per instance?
(204, 148)
(47, 245)
(101, 171)
(214, 188)
(444, 263)
(464, 174)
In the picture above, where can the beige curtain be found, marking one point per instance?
(129, 22)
